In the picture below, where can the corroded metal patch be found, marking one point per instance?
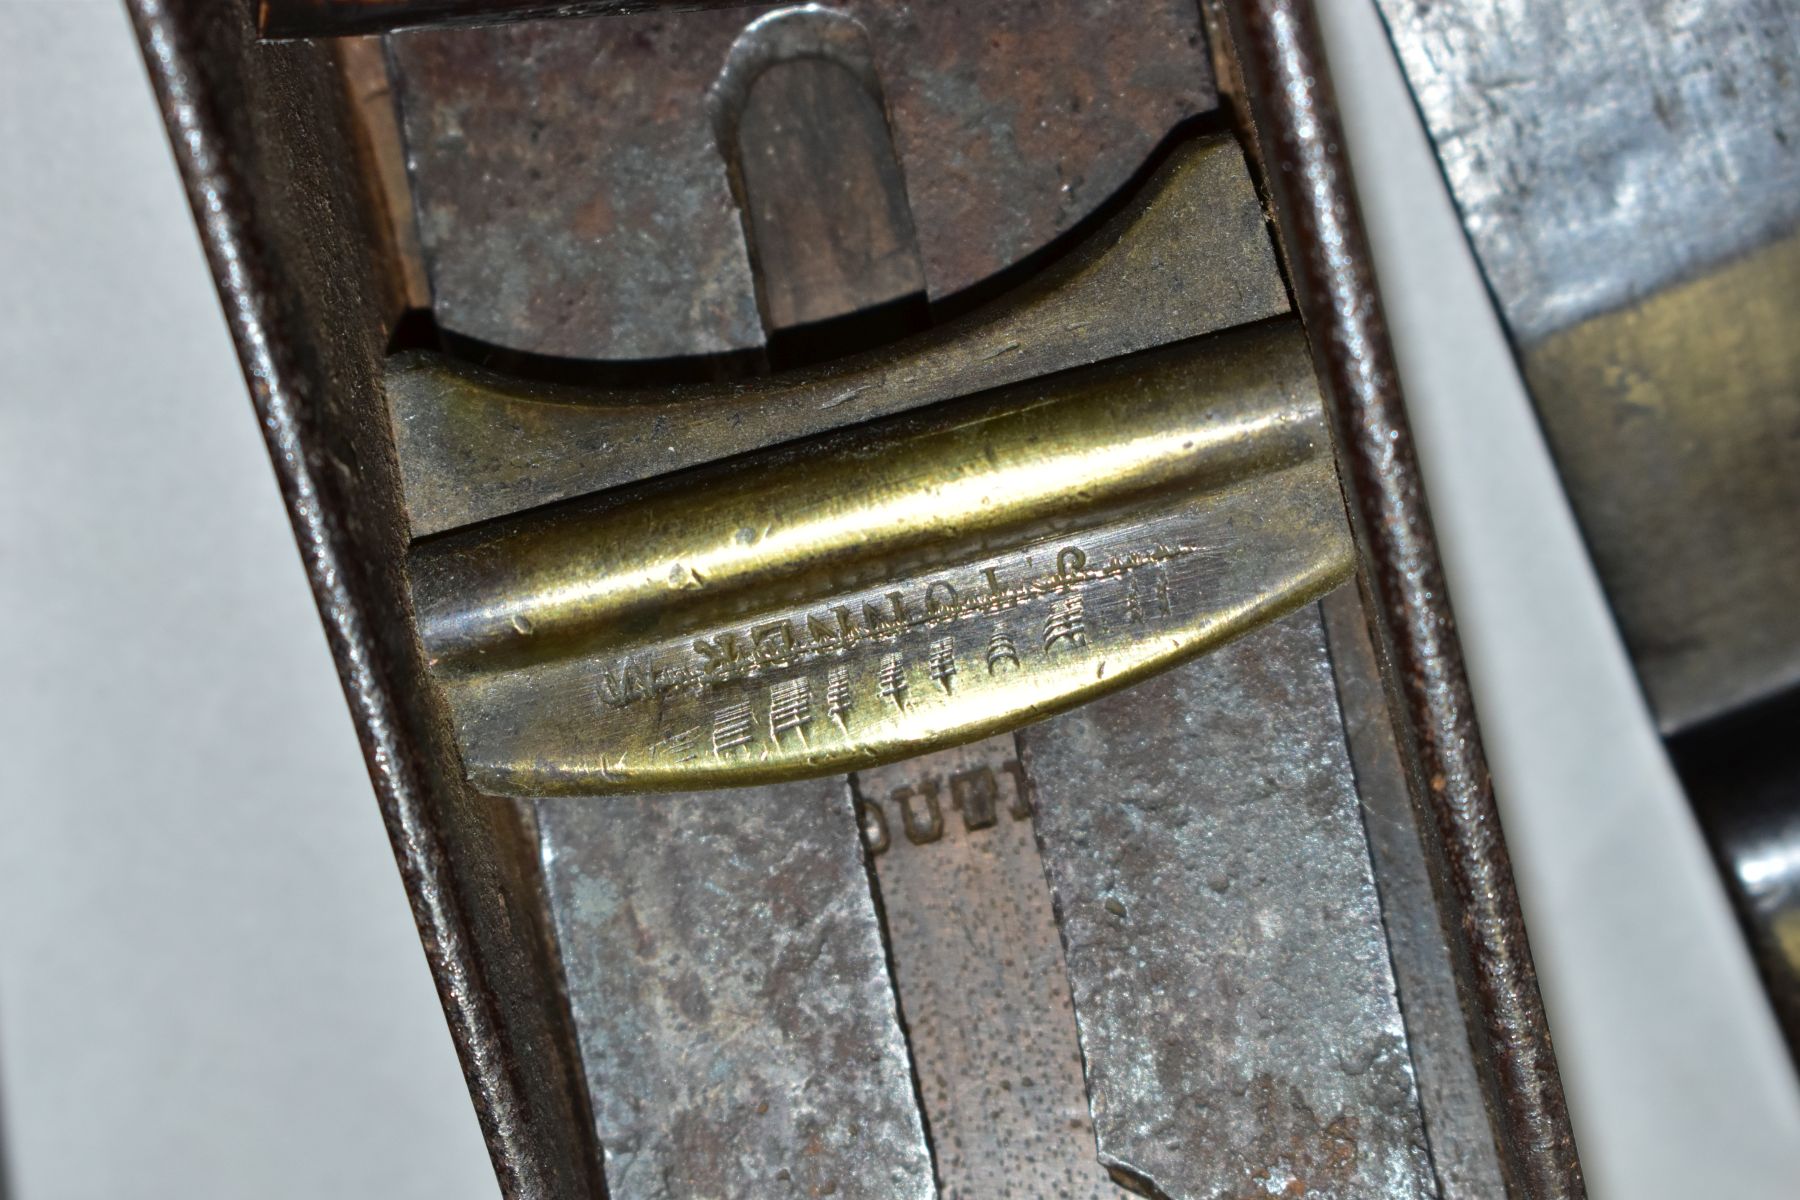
(574, 200)
(730, 992)
(1190, 256)
(1231, 979)
(978, 965)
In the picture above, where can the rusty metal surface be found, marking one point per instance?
(477, 929)
(1189, 256)
(571, 198)
(731, 995)
(1629, 176)
(1014, 120)
(1463, 1155)
(1633, 196)
(1225, 946)
(263, 145)
(574, 200)
(1601, 149)
(802, 123)
(1415, 639)
(979, 966)
(336, 18)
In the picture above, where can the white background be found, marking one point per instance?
(209, 981)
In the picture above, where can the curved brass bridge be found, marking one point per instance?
(874, 592)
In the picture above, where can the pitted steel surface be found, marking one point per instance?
(1225, 945)
(574, 200)
(729, 987)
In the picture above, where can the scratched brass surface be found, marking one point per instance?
(880, 592)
